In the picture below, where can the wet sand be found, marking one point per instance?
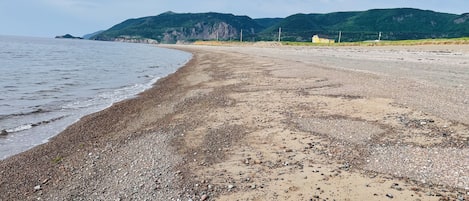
(263, 123)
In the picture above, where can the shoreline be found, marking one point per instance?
(241, 123)
(38, 113)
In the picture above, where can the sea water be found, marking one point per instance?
(48, 84)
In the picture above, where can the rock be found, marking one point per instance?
(230, 187)
(396, 186)
(4, 132)
(389, 195)
(45, 181)
(37, 188)
(203, 198)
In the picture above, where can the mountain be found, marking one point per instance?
(172, 27)
(268, 22)
(88, 36)
(393, 24)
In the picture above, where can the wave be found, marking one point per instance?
(24, 127)
(36, 111)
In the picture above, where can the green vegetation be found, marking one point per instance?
(57, 159)
(171, 27)
(440, 41)
(393, 24)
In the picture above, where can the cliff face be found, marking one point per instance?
(203, 31)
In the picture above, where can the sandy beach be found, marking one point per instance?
(270, 123)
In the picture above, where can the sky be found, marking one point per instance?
(49, 18)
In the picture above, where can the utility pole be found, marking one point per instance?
(340, 35)
(241, 37)
(279, 33)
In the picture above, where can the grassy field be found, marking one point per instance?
(443, 41)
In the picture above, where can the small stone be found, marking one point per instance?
(45, 181)
(4, 132)
(37, 188)
(230, 186)
(253, 186)
(203, 198)
(389, 195)
(396, 187)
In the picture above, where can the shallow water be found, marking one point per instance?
(47, 84)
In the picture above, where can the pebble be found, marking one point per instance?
(230, 186)
(203, 198)
(389, 195)
(37, 188)
(396, 186)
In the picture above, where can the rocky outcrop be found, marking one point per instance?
(462, 19)
(68, 36)
(204, 31)
(129, 39)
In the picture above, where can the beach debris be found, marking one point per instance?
(4, 132)
(389, 195)
(37, 188)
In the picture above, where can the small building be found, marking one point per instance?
(316, 39)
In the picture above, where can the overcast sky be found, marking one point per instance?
(48, 18)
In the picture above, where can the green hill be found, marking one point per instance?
(394, 24)
(172, 27)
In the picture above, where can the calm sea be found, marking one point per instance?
(48, 84)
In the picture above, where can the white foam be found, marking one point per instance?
(20, 128)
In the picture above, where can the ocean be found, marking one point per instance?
(48, 84)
